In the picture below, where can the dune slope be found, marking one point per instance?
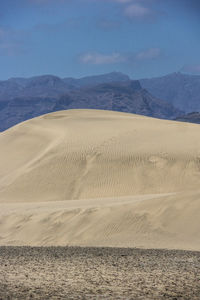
(87, 177)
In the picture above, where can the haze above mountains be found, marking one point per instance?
(167, 97)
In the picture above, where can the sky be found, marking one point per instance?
(76, 38)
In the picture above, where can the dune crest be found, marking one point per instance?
(88, 177)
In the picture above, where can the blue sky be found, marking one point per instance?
(75, 38)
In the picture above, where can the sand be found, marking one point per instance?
(100, 178)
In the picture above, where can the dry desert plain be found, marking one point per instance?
(100, 179)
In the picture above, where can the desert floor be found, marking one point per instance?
(98, 273)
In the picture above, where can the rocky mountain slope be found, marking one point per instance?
(51, 86)
(120, 96)
(180, 90)
(124, 96)
(94, 80)
(169, 97)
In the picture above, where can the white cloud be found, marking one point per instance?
(100, 59)
(148, 54)
(96, 58)
(137, 11)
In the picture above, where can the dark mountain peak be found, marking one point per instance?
(118, 96)
(45, 77)
(112, 76)
(22, 99)
(47, 80)
(127, 87)
(50, 85)
(116, 76)
(95, 80)
(104, 78)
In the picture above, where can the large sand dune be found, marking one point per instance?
(100, 178)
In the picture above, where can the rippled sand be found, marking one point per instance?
(100, 178)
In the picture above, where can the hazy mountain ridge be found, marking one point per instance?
(124, 96)
(25, 98)
(50, 85)
(21, 109)
(95, 80)
(162, 97)
(120, 96)
(180, 90)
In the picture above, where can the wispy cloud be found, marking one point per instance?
(138, 11)
(144, 10)
(97, 58)
(148, 54)
(100, 59)
(194, 69)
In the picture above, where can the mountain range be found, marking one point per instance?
(50, 85)
(193, 117)
(167, 97)
(124, 96)
(180, 90)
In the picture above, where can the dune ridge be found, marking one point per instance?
(100, 178)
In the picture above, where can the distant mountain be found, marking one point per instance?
(98, 79)
(20, 109)
(193, 117)
(180, 90)
(51, 86)
(24, 98)
(39, 86)
(125, 96)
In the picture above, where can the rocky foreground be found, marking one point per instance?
(98, 273)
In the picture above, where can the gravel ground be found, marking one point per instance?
(98, 273)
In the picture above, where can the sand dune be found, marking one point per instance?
(100, 178)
